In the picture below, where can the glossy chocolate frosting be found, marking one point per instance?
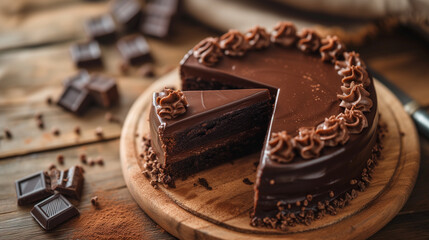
(203, 106)
(305, 90)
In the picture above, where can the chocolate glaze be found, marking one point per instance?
(305, 92)
(203, 107)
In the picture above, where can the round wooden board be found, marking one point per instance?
(192, 212)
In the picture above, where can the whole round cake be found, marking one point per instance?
(305, 101)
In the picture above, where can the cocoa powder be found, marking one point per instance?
(111, 219)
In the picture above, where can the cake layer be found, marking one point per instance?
(210, 116)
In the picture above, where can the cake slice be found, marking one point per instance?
(193, 130)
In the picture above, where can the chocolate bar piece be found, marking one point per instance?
(33, 188)
(68, 182)
(80, 80)
(128, 13)
(158, 17)
(103, 90)
(86, 54)
(53, 211)
(102, 28)
(74, 99)
(134, 49)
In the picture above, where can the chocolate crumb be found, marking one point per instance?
(55, 131)
(83, 158)
(49, 100)
(272, 182)
(40, 124)
(94, 201)
(100, 161)
(77, 130)
(91, 162)
(60, 159)
(353, 181)
(203, 182)
(331, 194)
(309, 197)
(247, 181)
(7, 133)
(99, 132)
(52, 166)
(38, 116)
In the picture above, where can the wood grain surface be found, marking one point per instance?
(34, 41)
(189, 211)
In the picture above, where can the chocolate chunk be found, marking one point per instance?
(75, 100)
(33, 188)
(134, 49)
(68, 182)
(101, 28)
(203, 182)
(80, 80)
(53, 211)
(103, 90)
(86, 55)
(158, 17)
(127, 13)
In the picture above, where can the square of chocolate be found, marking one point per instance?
(103, 90)
(68, 182)
(80, 80)
(101, 28)
(156, 25)
(33, 188)
(86, 54)
(134, 49)
(53, 211)
(74, 99)
(128, 13)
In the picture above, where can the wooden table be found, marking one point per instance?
(34, 41)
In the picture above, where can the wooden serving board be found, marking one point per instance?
(192, 212)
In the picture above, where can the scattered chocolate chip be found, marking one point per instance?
(77, 130)
(40, 124)
(55, 131)
(60, 159)
(99, 132)
(49, 100)
(83, 158)
(7, 133)
(100, 161)
(94, 201)
(247, 181)
(52, 166)
(203, 182)
(91, 162)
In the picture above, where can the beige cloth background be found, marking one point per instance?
(352, 20)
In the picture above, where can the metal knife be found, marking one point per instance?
(417, 113)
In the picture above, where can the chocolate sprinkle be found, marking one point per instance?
(203, 182)
(247, 181)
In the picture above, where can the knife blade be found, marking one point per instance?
(419, 115)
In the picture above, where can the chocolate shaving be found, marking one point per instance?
(171, 104)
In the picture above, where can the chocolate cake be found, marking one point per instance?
(319, 145)
(193, 130)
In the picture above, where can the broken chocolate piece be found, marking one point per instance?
(101, 28)
(103, 90)
(86, 55)
(134, 49)
(80, 80)
(158, 17)
(33, 188)
(53, 211)
(75, 100)
(68, 182)
(127, 13)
